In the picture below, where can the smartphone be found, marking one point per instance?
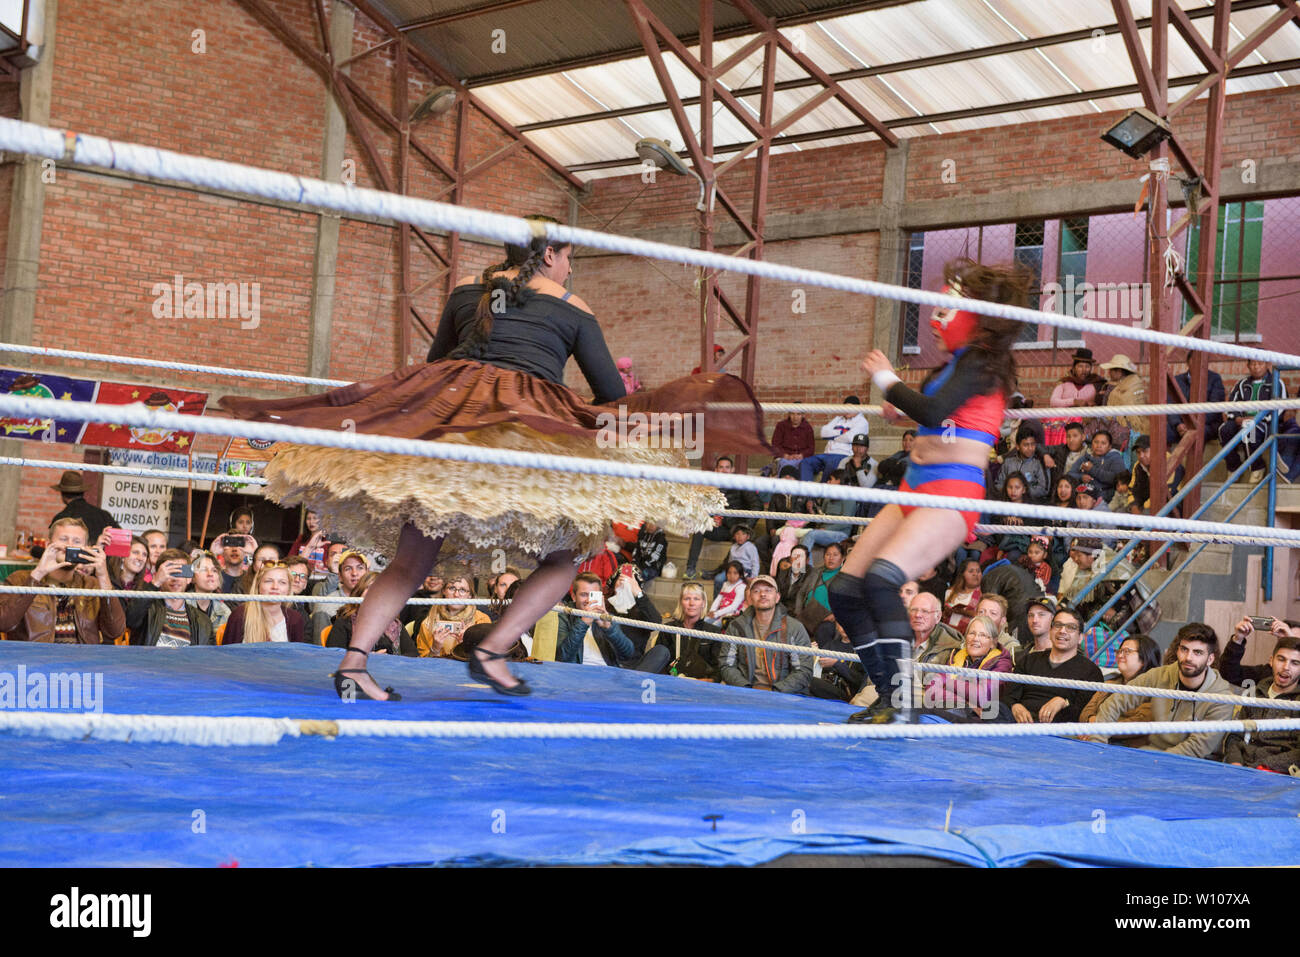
(119, 543)
(232, 541)
(1262, 624)
(77, 556)
(185, 571)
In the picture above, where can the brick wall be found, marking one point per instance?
(129, 70)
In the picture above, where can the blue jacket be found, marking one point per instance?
(615, 647)
(1105, 469)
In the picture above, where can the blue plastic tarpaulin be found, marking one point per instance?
(378, 801)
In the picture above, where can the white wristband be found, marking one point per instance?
(884, 379)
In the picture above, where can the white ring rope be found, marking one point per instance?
(28, 406)
(223, 477)
(227, 598)
(1047, 412)
(1064, 532)
(1112, 688)
(812, 652)
(1053, 530)
(231, 731)
(165, 364)
(1044, 412)
(150, 161)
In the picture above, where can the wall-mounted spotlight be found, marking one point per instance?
(1138, 133)
(661, 155)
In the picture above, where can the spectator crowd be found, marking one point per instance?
(1014, 602)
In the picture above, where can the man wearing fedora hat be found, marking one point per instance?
(73, 489)
(1126, 388)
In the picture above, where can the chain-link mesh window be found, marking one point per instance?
(912, 311)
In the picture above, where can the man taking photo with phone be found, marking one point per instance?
(169, 622)
(1231, 668)
(67, 562)
(1270, 750)
(230, 561)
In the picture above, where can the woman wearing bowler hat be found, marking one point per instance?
(1078, 388)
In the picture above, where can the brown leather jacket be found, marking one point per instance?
(31, 617)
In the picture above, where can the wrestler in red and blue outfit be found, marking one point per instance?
(964, 413)
(959, 409)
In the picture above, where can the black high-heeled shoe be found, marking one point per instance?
(351, 690)
(478, 674)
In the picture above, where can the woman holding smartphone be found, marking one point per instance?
(171, 622)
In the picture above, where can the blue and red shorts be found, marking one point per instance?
(949, 478)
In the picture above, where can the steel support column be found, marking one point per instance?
(699, 148)
(356, 103)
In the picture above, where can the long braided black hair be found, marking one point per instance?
(502, 293)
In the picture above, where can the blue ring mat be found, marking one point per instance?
(375, 801)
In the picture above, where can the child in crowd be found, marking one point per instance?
(650, 552)
(731, 596)
(1008, 546)
(743, 552)
(1122, 500)
(1035, 560)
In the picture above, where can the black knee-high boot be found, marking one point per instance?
(893, 642)
(850, 608)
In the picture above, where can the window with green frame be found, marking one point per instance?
(1074, 250)
(1235, 308)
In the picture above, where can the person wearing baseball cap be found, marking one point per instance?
(73, 489)
(1088, 559)
(763, 668)
(860, 467)
(838, 433)
(1038, 619)
(1087, 496)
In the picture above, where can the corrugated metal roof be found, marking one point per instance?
(561, 31)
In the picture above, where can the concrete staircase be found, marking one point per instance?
(1226, 581)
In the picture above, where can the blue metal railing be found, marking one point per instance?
(1204, 507)
(1269, 446)
(1246, 499)
(1168, 507)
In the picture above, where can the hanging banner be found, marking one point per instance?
(137, 504)
(42, 386)
(228, 479)
(147, 397)
(249, 450)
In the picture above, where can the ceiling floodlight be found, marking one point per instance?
(661, 155)
(1138, 133)
(438, 100)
